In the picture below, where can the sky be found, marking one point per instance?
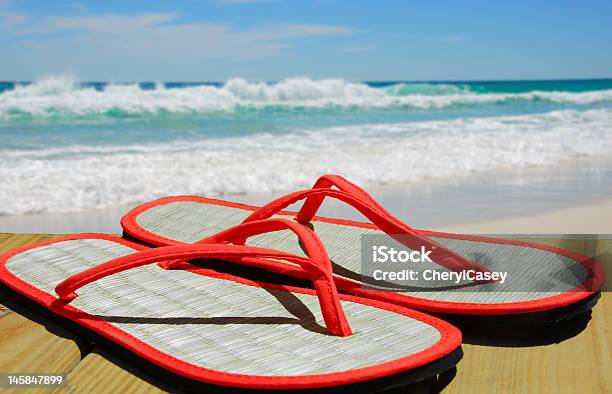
(214, 40)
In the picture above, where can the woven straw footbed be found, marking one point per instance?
(536, 273)
(220, 324)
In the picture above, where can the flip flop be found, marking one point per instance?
(226, 330)
(543, 283)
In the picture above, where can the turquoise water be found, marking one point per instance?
(70, 145)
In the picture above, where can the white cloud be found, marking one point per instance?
(297, 30)
(109, 22)
(166, 24)
(121, 44)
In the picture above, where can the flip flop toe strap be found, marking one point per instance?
(365, 204)
(238, 235)
(318, 270)
(328, 181)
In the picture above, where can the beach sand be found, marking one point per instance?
(595, 218)
(591, 218)
(524, 202)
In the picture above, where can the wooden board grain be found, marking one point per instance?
(12, 241)
(27, 346)
(581, 364)
(96, 373)
(604, 256)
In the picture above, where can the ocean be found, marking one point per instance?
(67, 145)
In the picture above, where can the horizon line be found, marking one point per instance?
(315, 79)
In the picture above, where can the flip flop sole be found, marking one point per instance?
(224, 330)
(540, 278)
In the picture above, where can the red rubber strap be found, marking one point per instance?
(313, 247)
(319, 272)
(312, 204)
(383, 220)
(327, 181)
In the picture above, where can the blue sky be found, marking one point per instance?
(213, 40)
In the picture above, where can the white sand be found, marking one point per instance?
(594, 218)
(546, 205)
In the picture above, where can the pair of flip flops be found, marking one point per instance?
(157, 298)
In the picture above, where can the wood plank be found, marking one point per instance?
(604, 256)
(96, 373)
(579, 364)
(4, 236)
(29, 346)
(12, 241)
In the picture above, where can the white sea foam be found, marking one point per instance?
(80, 177)
(65, 97)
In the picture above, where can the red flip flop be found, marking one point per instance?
(226, 330)
(541, 283)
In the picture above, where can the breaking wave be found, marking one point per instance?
(55, 179)
(63, 97)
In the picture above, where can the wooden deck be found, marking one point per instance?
(582, 363)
